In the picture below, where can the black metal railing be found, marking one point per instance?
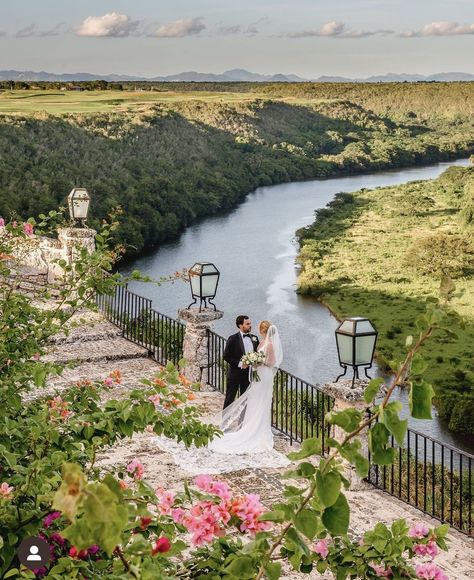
(160, 334)
(298, 408)
(431, 476)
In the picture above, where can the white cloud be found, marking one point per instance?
(441, 28)
(337, 29)
(180, 28)
(333, 28)
(110, 24)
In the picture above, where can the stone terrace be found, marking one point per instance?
(96, 347)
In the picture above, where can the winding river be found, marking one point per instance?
(254, 248)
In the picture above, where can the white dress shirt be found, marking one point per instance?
(248, 344)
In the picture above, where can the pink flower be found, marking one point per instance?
(155, 399)
(136, 469)
(203, 482)
(381, 571)
(248, 509)
(214, 487)
(430, 549)
(430, 572)
(36, 356)
(109, 382)
(49, 519)
(57, 538)
(177, 514)
(123, 484)
(321, 548)
(6, 490)
(28, 229)
(419, 530)
(205, 521)
(2, 222)
(165, 501)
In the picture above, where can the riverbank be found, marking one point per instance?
(381, 252)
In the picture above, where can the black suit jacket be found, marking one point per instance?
(235, 350)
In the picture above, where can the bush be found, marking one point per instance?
(442, 253)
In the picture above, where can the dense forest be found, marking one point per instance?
(170, 162)
(382, 252)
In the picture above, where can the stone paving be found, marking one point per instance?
(97, 348)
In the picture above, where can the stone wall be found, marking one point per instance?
(40, 254)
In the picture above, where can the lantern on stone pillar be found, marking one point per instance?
(203, 281)
(78, 201)
(355, 339)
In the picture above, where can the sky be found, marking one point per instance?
(355, 38)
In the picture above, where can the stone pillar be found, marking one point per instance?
(71, 240)
(195, 344)
(345, 396)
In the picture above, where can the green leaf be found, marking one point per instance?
(298, 541)
(273, 570)
(102, 521)
(418, 365)
(307, 522)
(384, 456)
(372, 389)
(13, 573)
(309, 447)
(306, 469)
(397, 427)
(350, 451)
(420, 400)
(400, 528)
(348, 419)
(241, 567)
(378, 437)
(328, 487)
(273, 516)
(441, 531)
(336, 517)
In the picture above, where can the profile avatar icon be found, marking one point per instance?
(34, 552)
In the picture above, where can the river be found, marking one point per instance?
(254, 247)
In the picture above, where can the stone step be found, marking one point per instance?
(112, 349)
(131, 370)
(87, 333)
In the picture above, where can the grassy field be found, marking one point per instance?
(379, 253)
(61, 102)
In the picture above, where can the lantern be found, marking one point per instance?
(203, 280)
(78, 201)
(355, 339)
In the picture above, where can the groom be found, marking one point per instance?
(238, 375)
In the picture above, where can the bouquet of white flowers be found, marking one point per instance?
(253, 359)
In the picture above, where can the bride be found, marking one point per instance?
(247, 439)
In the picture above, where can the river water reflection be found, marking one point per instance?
(254, 248)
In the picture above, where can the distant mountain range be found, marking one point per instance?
(230, 76)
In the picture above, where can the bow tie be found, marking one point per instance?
(246, 335)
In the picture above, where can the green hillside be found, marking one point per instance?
(182, 152)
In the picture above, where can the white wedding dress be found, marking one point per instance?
(247, 441)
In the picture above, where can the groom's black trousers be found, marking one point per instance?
(237, 381)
